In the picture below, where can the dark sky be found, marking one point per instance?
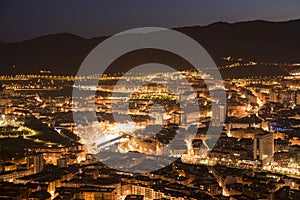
(20, 20)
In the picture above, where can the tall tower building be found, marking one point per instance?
(220, 115)
(263, 148)
(35, 162)
(273, 97)
(298, 98)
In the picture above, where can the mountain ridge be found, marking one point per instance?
(63, 53)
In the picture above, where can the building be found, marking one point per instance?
(298, 99)
(274, 96)
(263, 148)
(219, 116)
(134, 197)
(6, 167)
(92, 193)
(62, 162)
(35, 162)
(241, 133)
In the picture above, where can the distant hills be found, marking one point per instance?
(258, 41)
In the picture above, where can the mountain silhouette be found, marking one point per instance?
(258, 41)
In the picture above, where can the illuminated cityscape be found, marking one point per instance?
(256, 155)
(160, 100)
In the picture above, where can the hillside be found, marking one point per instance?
(258, 41)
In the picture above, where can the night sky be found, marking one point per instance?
(20, 20)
